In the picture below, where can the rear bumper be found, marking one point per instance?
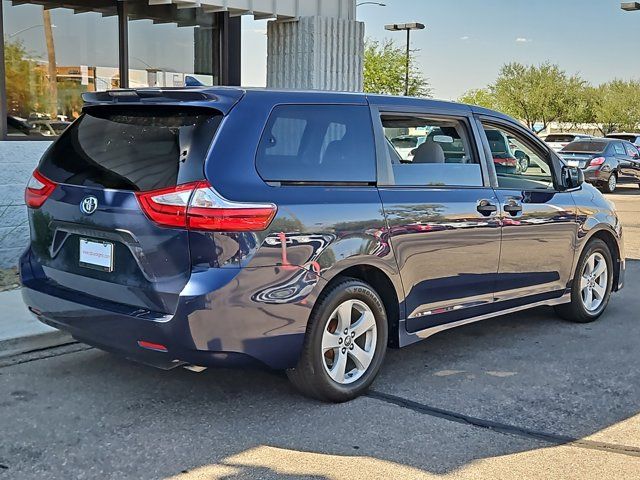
(596, 176)
(229, 324)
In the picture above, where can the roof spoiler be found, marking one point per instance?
(130, 95)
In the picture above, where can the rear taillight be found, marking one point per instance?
(38, 190)
(197, 206)
(596, 161)
(167, 206)
(509, 161)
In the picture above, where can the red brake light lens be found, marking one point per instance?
(167, 206)
(38, 190)
(196, 206)
(596, 161)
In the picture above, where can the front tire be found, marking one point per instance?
(345, 343)
(591, 286)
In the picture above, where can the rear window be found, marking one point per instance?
(317, 143)
(139, 149)
(586, 146)
(622, 136)
(557, 138)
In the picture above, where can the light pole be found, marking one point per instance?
(398, 27)
(630, 6)
(26, 29)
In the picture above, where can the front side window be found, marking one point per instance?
(433, 152)
(631, 150)
(318, 143)
(518, 162)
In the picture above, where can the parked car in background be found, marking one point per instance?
(310, 246)
(405, 144)
(504, 158)
(557, 141)
(19, 127)
(629, 137)
(604, 161)
(49, 128)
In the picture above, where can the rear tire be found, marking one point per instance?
(591, 286)
(611, 184)
(345, 343)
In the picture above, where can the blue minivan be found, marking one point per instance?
(212, 226)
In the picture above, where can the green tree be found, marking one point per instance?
(385, 67)
(617, 105)
(535, 94)
(25, 81)
(482, 97)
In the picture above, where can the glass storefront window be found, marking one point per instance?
(167, 44)
(51, 58)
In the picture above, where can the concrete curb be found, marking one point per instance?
(31, 343)
(20, 330)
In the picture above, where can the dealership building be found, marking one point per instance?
(52, 51)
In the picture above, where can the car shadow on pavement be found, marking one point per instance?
(90, 411)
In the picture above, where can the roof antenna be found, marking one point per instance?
(190, 81)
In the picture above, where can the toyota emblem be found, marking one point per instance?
(89, 205)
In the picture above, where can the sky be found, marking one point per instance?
(467, 41)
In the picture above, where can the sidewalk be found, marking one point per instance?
(20, 331)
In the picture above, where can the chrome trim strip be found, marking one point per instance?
(427, 332)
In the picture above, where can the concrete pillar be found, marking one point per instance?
(315, 53)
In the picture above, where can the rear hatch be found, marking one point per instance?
(581, 152)
(90, 236)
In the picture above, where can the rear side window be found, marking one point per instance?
(318, 143)
(139, 148)
(619, 149)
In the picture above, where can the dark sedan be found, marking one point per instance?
(604, 160)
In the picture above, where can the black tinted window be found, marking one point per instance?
(586, 146)
(560, 138)
(317, 143)
(132, 148)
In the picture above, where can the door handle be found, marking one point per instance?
(486, 208)
(513, 208)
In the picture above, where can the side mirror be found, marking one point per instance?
(572, 177)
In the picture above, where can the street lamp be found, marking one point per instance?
(398, 27)
(371, 3)
(26, 29)
(630, 6)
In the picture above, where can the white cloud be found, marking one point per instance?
(465, 38)
(523, 40)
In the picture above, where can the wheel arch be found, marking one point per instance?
(390, 292)
(611, 240)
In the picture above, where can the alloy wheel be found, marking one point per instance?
(612, 182)
(593, 282)
(349, 341)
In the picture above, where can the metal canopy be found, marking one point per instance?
(260, 9)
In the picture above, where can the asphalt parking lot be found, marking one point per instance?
(520, 396)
